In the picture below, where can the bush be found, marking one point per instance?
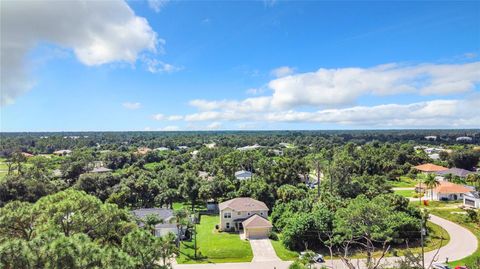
(217, 227)
(273, 236)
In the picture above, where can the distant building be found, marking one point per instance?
(430, 168)
(446, 191)
(182, 147)
(143, 150)
(27, 155)
(459, 172)
(256, 146)
(431, 137)
(243, 175)
(63, 152)
(464, 139)
(100, 170)
(162, 149)
(211, 145)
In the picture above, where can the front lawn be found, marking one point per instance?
(214, 246)
(282, 252)
(403, 182)
(405, 193)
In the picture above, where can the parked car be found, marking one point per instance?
(318, 258)
(440, 266)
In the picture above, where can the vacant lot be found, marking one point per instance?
(214, 246)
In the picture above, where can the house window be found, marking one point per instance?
(227, 225)
(227, 215)
(239, 213)
(261, 213)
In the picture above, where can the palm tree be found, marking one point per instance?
(431, 181)
(181, 220)
(150, 221)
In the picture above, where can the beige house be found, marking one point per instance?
(245, 215)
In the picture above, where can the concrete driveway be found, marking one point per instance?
(263, 250)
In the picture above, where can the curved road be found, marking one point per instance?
(462, 243)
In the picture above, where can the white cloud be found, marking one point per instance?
(170, 128)
(159, 117)
(214, 125)
(98, 32)
(343, 86)
(157, 5)
(435, 113)
(132, 105)
(157, 66)
(269, 3)
(175, 117)
(282, 71)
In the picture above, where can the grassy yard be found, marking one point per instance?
(282, 252)
(404, 182)
(405, 193)
(214, 246)
(199, 205)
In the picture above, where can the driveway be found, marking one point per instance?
(263, 250)
(462, 243)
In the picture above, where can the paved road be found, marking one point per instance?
(462, 244)
(263, 250)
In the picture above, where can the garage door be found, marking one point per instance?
(469, 202)
(257, 233)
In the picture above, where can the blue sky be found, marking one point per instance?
(158, 65)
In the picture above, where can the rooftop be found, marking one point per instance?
(456, 172)
(430, 167)
(243, 204)
(256, 221)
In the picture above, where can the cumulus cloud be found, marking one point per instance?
(132, 105)
(157, 5)
(282, 71)
(98, 32)
(343, 86)
(162, 117)
(331, 96)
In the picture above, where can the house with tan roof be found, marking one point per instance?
(447, 191)
(430, 168)
(245, 215)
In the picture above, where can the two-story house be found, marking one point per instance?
(247, 215)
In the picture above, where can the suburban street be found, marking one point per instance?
(462, 244)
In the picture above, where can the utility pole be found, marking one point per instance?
(422, 234)
(195, 232)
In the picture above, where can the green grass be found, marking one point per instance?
(404, 182)
(198, 206)
(214, 246)
(405, 193)
(282, 252)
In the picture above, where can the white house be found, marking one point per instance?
(472, 199)
(447, 191)
(464, 138)
(167, 224)
(243, 175)
(247, 215)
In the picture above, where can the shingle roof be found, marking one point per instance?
(430, 167)
(455, 171)
(243, 204)
(256, 221)
(161, 213)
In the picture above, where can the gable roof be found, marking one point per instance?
(456, 172)
(256, 221)
(243, 173)
(449, 187)
(161, 213)
(430, 167)
(243, 204)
